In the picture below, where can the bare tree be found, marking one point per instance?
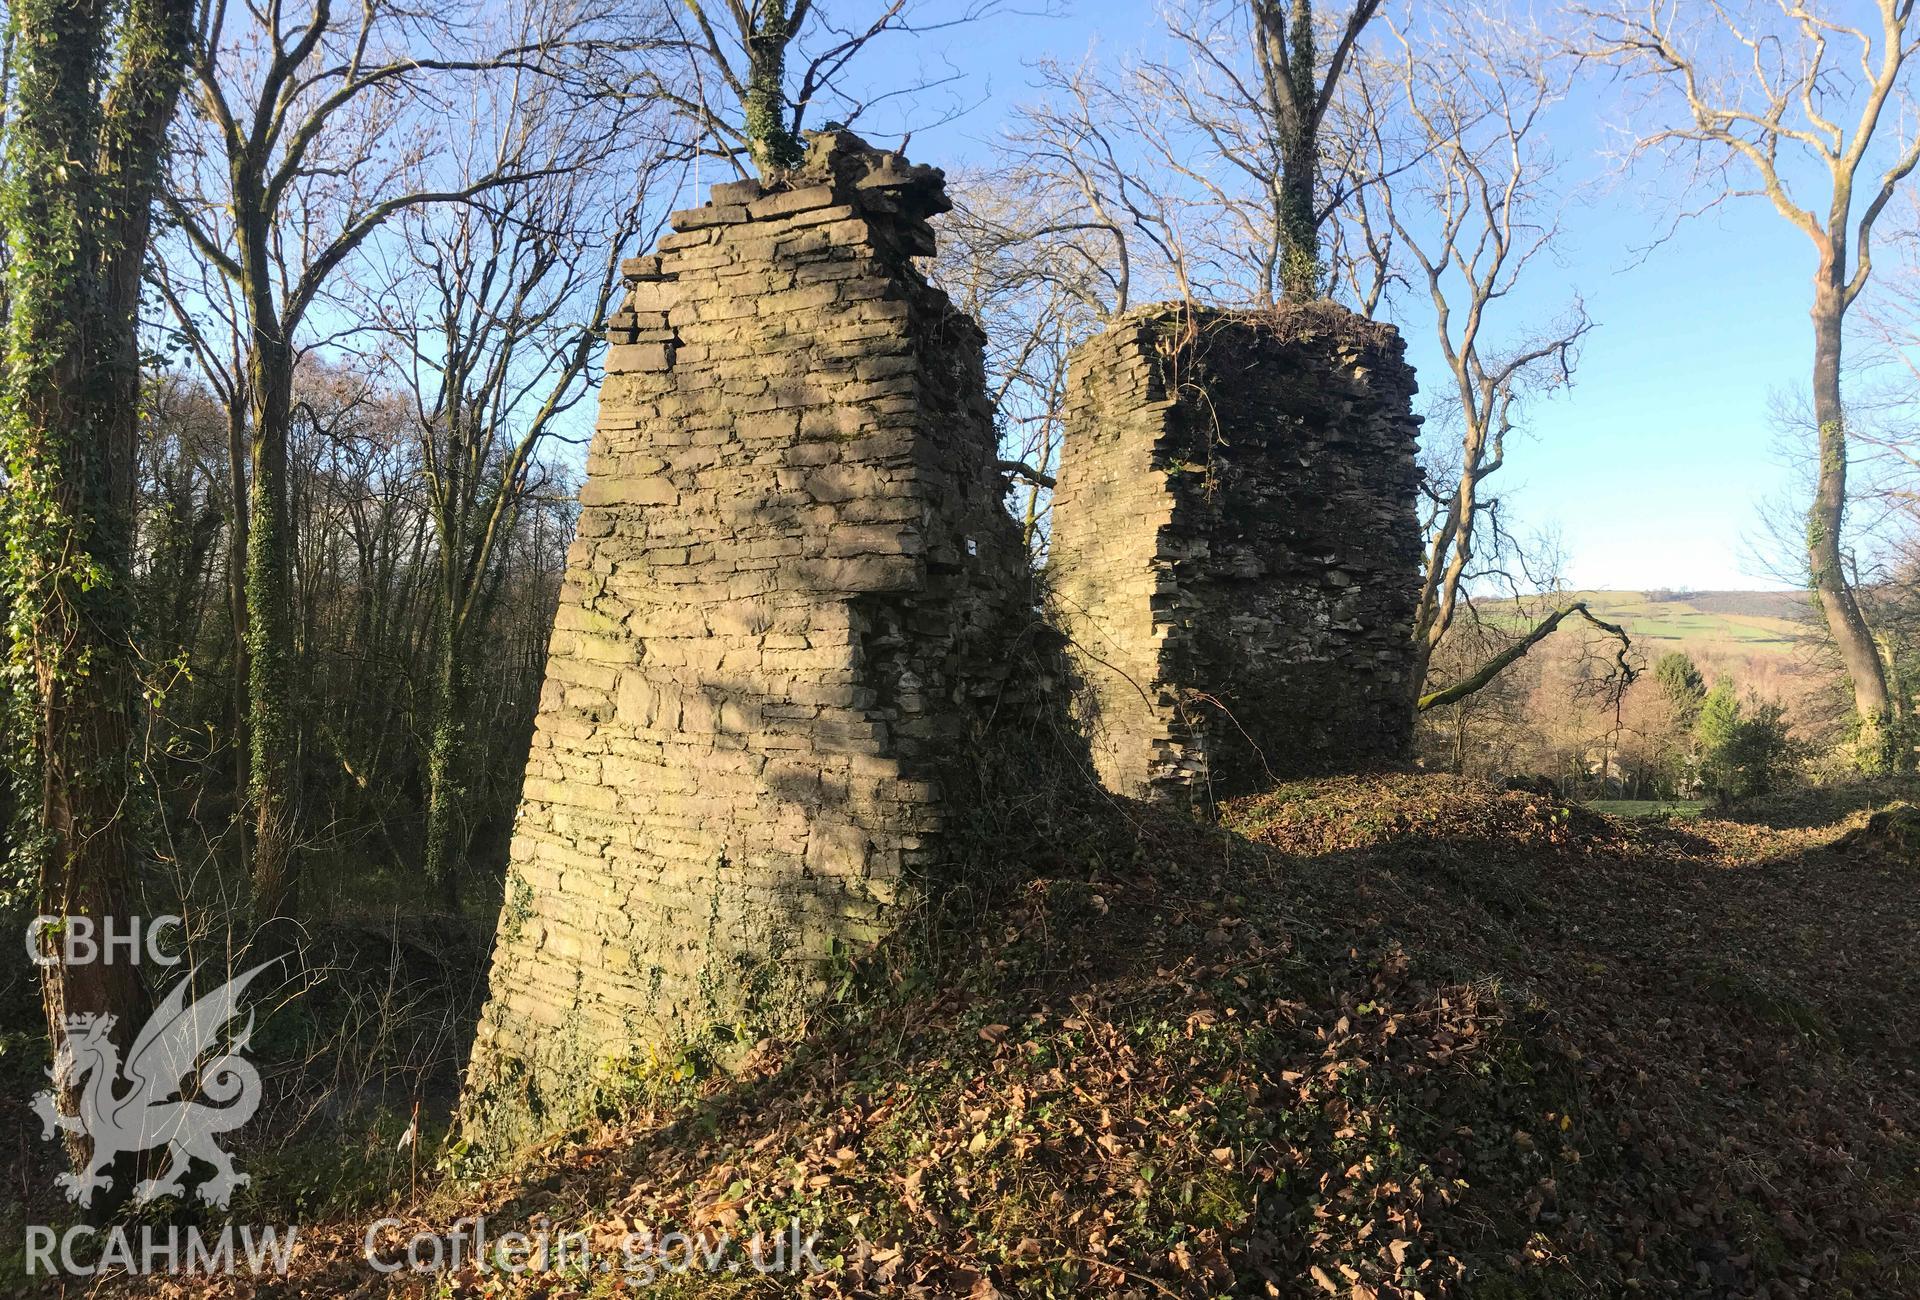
(1882, 428)
(1769, 92)
(207, 318)
(1251, 103)
(1204, 172)
(181, 514)
(1096, 201)
(312, 133)
(1073, 226)
(367, 584)
(494, 311)
(1464, 218)
(1035, 298)
(1173, 178)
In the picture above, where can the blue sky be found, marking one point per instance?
(1654, 468)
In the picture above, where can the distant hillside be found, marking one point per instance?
(1791, 606)
(1736, 624)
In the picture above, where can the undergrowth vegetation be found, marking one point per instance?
(1386, 1037)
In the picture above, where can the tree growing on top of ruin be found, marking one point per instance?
(756, 73)
(1215, 168)
(1297, 93)
(1198, 173)
(1789, 104)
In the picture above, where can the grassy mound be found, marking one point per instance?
(1387, 1037)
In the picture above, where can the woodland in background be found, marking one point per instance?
(368, 622)
(382, 250)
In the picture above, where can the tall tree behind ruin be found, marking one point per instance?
(1450, 115)
(1809, 108)
(81, 170)
(1165, 177)
(1034, 299)
(495, 313)
(1199, 172)
(1092, 193)
(1179, 176)
(304, 149)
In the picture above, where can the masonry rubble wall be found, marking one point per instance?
(1235, 552)
(794, 595)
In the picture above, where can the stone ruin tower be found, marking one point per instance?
(1234, 550)
(791, 600)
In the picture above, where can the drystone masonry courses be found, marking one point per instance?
(793, 598)
(1235, 551)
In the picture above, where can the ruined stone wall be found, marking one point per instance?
(789, 605)
(1234, 549)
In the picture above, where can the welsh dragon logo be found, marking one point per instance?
(140, 1105)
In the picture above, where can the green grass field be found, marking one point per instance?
(1758, 623)
(1647, 809)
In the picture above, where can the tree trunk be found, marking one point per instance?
(1296, 125)
(1845, 623)
(1422, 665)
(185, 615)
(448, 769)
(273, 772)
(769, 139)
(237, 539)
(1485, 675)
(1300, 256)
(82, 170)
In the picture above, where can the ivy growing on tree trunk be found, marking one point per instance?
(1297, 96)
(774, 146)
(81, 171)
